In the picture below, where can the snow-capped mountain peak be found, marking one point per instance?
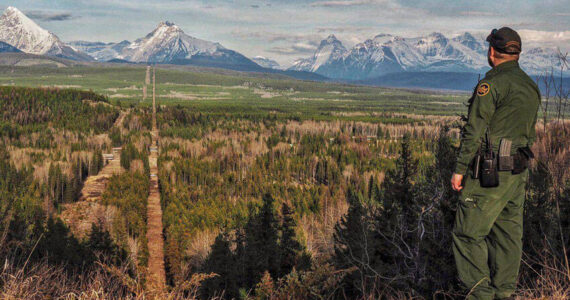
(433, 52)
(468, 40)
(329, 49)
(266, 62)
(164, 29)
(330, 46)
(167, 24)
(331, 39)
(21, 32)
(434, 44)
(382, 38)
(167, 42)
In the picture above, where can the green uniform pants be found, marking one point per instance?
(487, 236)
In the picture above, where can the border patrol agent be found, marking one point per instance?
(494, 154)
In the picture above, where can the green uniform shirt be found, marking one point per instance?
(506, 101)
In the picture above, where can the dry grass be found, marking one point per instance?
(80, 216)
(553, 147)
(42, 281)
(552, 272)
(199, 246)
(552, 281)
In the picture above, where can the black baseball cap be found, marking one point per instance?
(505, 40)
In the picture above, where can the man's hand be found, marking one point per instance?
(456, 182)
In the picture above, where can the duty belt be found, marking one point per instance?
(515, 163)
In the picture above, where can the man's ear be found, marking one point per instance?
(491, 57)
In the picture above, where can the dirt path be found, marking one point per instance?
(119, 121)
(156, 281)
(95, 185)
(88, 210)
(80, 215)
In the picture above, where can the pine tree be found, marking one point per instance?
(100, 242)
(445, 159)
(59, 246)
(397, 185)
(321, 172)
(261, 248)
(398, 214)
(289, 245)
(96, 162)
(73, 183)
(409, 208)
(221, 261)
(371, 187)
(240, 257)
(435, 257)
(379, 133)
(354, 247)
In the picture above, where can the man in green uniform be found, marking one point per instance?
(487, 236)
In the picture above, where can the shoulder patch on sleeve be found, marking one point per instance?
(483, 89)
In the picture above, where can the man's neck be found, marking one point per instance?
(503, 66)
(502, 61)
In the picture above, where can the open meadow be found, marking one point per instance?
(235, 92)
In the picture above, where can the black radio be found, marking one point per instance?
(489, 168)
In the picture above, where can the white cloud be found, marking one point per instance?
(273, 37)
(295, 49)
(47, 16)
(545, 38)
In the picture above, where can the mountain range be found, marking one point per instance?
(166, 44)
(386, 54)
(100, 51)
(370, 62)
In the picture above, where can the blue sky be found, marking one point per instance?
(286, 30)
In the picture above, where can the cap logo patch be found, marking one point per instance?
(483, 89)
